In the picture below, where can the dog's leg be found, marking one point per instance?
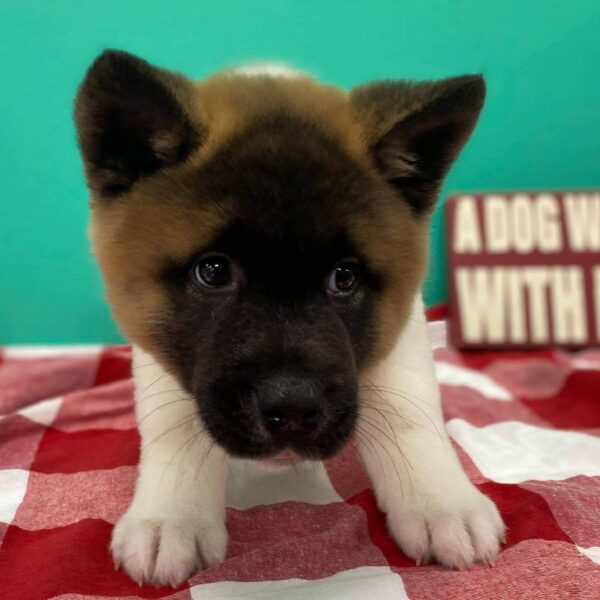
(433, 511)
(176, 521)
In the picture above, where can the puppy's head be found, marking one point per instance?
(264, 237)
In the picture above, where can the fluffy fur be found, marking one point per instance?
(292, 183)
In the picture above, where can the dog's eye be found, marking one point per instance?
(214, 271)
(344, 277)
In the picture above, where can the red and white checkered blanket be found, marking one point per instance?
(527, 427)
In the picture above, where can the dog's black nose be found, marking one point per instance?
(290, 405)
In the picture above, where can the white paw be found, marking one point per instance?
(164, 551)
(456, 531)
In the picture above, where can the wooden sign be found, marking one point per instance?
(524, 269)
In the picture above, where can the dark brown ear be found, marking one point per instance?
(131, 121)
(416, 130)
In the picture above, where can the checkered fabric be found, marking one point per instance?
(526, 426)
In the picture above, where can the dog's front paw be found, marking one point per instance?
(166, 551)
(456, 530)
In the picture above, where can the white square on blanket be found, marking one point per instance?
(13, 485)
(364, 583)
(592, 553)
(512, 452)
(251, 485)
(43, 412)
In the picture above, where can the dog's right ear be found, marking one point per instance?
(132, 121)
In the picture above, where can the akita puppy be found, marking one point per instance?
(263, 239)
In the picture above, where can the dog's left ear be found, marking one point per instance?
(415, 131)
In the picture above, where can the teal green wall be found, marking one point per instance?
(540, 128)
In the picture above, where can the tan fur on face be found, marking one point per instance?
(133, 239)
(231, 101)
(162, 219)
(395, 244)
